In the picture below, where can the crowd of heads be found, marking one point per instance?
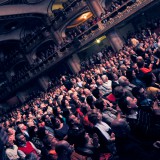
(110, 110)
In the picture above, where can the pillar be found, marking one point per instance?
(44, 82)
(74, 63)
(115, 40)
(95, 7)
(22, 96)
(31, 57)
(124, 29)
(58, 38)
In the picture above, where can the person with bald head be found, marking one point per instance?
(64, 150)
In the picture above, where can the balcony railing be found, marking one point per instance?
(101, 29)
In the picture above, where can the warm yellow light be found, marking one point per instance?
(98, 41)
(84, 17)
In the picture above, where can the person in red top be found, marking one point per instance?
(141, 65)
(26, 147)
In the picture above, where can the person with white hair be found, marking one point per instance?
(107, 84)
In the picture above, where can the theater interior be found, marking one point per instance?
(72, 73)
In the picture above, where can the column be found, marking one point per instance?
(57, 36)
(74, 63)
(44, 82)
(30, 57)
(115, 40)
(95, 7)
(22, 96)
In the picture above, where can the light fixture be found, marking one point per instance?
(84, 16)
(98, 41)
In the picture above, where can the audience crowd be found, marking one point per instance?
(110, 110)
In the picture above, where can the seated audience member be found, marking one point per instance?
(11, 149)
(41, 124)
(83, 143)
(31, 156)
(103, 89)
(142, 99)
(131, 76)
(107, 83)
(60, 129)
(140, 120)
(108, 113)
(26, 147)
(11, 132)
(64, 150)
(153, 89)
(50, 147)
(127, 86)
(36, 140)
(23, 129)
(142, 69)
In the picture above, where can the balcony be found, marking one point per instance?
(122, 13)
(30, 41)
(67, 13)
